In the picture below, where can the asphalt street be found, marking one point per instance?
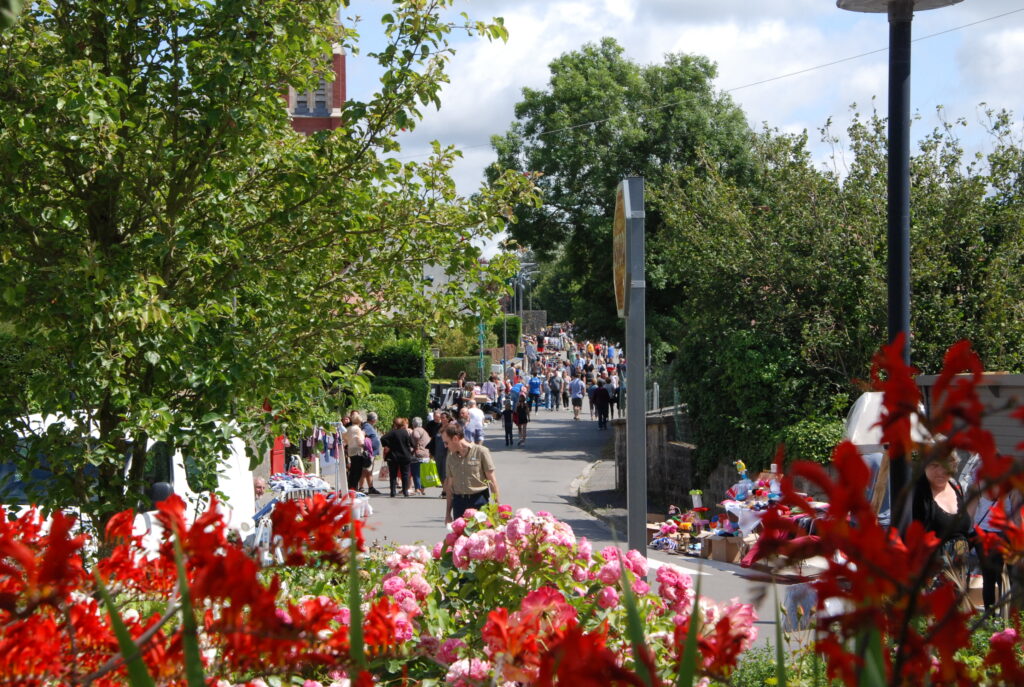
(561, 458)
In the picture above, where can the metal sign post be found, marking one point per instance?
(630, 296)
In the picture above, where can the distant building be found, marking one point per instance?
(320, 109)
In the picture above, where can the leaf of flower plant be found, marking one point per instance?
(635, 627)
(355, 629)
(873, 674)
(780, 655)
(688, 666)
(189, 632)
(138, 674)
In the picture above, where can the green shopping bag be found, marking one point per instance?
(428, 474)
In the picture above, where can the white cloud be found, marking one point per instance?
(750, 41)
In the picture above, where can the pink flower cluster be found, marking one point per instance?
(406, 583)
(468, 672)
(615, 563)
(676, 589)
(515, 537)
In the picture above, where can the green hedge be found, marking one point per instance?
(383, 405)
(515, 330)
(400, 395)
(402, 358)
(418, 388)
(449, 368)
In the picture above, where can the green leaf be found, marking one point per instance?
(138, 674)
(873, 673)
(357, 650)
(189, 629)
(780, 654)
(635, 627)
(152, 357)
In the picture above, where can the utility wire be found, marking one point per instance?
(753, 83)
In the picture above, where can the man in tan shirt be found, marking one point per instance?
(469, 478)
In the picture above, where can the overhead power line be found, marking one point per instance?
(752, 84)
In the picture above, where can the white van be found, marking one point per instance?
(167, 472)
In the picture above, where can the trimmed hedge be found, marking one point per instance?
(402, 358)
(418, 388)
(383, 405)
(449, 368)
(515, 330)
(400, 395)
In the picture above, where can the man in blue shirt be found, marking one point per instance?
(576, 390)
(533, 390)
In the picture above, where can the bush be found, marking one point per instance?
(400, 395)
(449, 368)
(418, 388)
(812, 439)
(402, 358)
(382, 404)
(515, 330)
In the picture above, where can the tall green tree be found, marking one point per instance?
(173, 254)
(784, 295)
(601, 118)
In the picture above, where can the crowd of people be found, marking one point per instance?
(556, 373)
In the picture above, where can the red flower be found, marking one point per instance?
(581, 659)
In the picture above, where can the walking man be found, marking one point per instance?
(469, 480)
(576, 391)
(602, 400)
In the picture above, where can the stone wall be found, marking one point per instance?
(669, 462)
(670, 466)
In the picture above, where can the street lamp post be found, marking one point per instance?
(901, 14)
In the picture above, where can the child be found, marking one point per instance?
(506, 416)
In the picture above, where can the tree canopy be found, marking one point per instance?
(604, 117)
(174, 255)
(766, 271)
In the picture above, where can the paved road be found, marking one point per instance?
(546, 474)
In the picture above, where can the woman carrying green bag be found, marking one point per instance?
(421, 454)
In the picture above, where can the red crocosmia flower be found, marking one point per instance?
(522, 637)
(170, 513)
(582, 659)
(380, 629)
(954, 396)
(318, 526)
(902, 395)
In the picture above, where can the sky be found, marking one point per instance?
(750, 41)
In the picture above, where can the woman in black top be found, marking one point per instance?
(398, 451)
(939, 505)
(521, 416)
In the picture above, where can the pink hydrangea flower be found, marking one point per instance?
(610, 572)
(460, 553)
(419, 586)
(438, 549)
(467, 672)
(584, 549)
(481, 545)
(640, 587)
(608, 598)
(579, 573)
(544, 514)
(505, 511)
(449, 652)
(517, 528)
(403, 627)
(469, 514)
(610, 553)
(393, 585)
(636, 562)
(458, 525)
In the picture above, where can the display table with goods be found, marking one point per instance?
(301, 488)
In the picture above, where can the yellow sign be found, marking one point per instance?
(620, 260)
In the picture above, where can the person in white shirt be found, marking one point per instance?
(475, 426)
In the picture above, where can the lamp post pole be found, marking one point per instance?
(901, 16)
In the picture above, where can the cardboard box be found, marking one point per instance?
(652, 532)
(731, 549)
(704, 539)
(726, 549)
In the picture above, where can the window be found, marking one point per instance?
(302, 103)
(320, 98)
